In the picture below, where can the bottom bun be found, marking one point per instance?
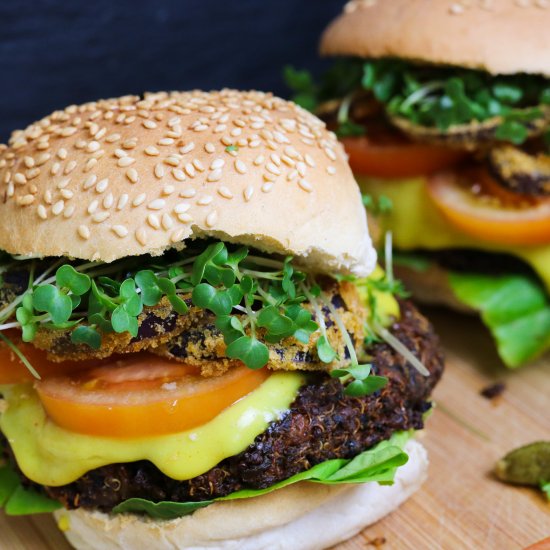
(305, 516)
(430, 286)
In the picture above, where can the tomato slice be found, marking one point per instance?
(472, 205)
(398, 158)
(142, 395)
(13, 370)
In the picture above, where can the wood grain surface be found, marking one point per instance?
(461, 506)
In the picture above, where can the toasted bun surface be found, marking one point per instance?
(499, 36)
(305, 516)
(129, 176)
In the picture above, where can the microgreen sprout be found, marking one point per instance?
(255, 300)
(429, 96)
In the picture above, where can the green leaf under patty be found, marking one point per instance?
(378, 464)
(19, 501)
(515, 308)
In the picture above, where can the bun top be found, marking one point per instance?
(130, 176)
(498, 36)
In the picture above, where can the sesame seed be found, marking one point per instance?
(84, 232)
(270, 167)
(20, 178)
(276, 159)
(112, 138)
(309, 160)
(456, 9)
(119, 153)
(93, 146)
(120, 231)
(225, 192)
(248, 192)
(102, 185)
(211, 219)
(240, 166)
(215, 175)
(185, 218)
(217, 163)
(165, 141)
(32, 173)
(100, 217)
(177, 235)
(260, 159)
(29, 162)
(181, 207)
(157, 204)
(58, 207)
(108, 201)
(10, 192)
(149, 124)
(159, 171)
(141, 236)
(203, 201)
(93, 206)
(69, 211)
(226, 141)
(90, 164)
(153, 221)
(172, 160)
(25, 200)
(122, 201)
(132, 175)
(140, 199)
(187, 148)
(198, 165)
(168, 190)
(62, 153)
(302, 168)
(42, 212)
(331, 170)
(67, 194)
(48, 196)
(188, 193)
(254, 143)
(54, 169)
(152, 151)
(178, 174)
(190, 170)
(90, 182)
(209, 148)
(71, 165)
(167, 222)
(125, 161)
(305, 185)
(267, 187)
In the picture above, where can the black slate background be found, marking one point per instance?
(57, 52)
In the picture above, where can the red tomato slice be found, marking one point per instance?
(468, 203)
(142, 395)
(398, 158)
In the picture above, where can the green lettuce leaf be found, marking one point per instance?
(377, 464)
(17, 500)
(515, 308)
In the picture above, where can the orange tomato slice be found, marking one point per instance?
(468, 203)
(142, 395)
(13, 370)
(398, 158)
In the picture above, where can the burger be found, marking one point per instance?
(443, 108)
(198, 350)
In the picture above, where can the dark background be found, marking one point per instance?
(57, 52)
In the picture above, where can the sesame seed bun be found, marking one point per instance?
(498, 36)
(132, 175)
(305, 516)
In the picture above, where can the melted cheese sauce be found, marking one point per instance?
(50, 455)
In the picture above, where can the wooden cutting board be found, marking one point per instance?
(461, 506)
